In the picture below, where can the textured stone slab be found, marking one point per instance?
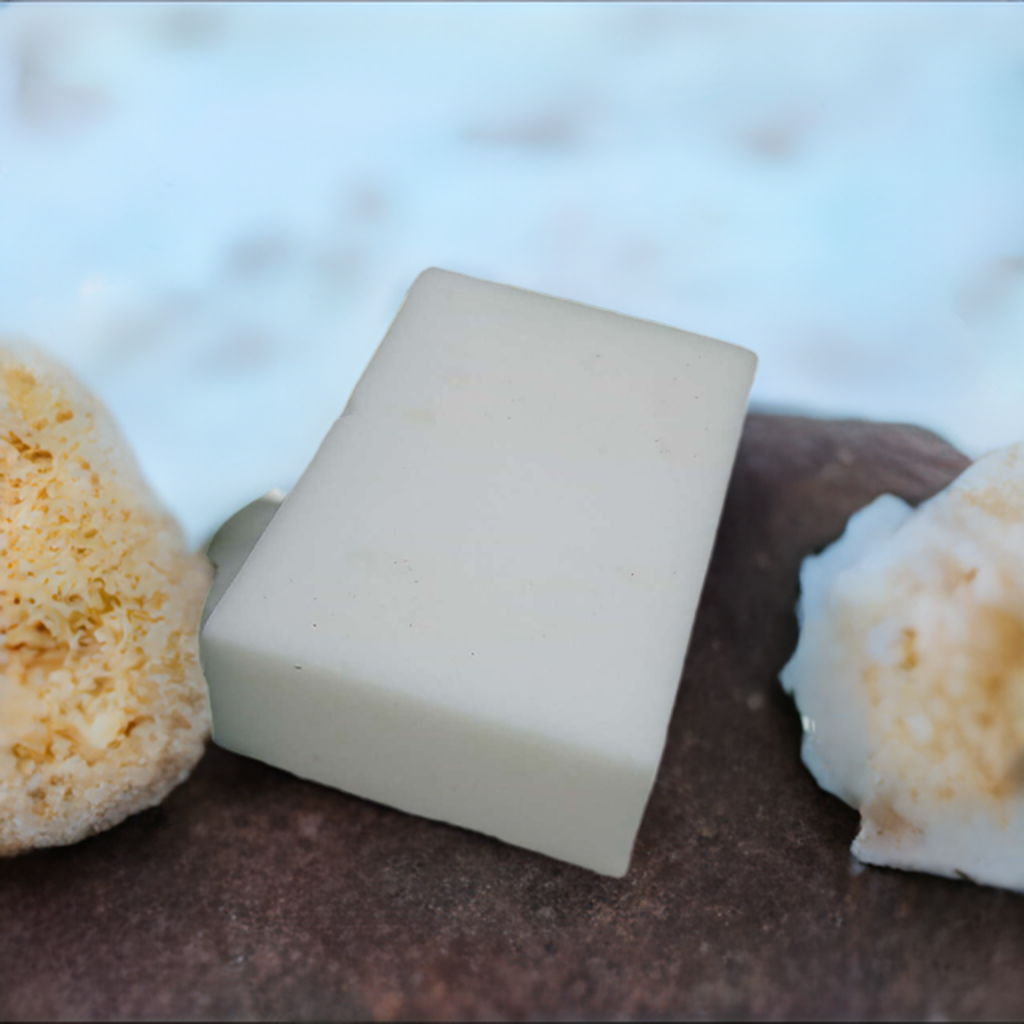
(251, 894)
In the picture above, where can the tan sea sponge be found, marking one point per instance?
(103, 706)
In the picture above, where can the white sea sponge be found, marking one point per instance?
(909, 675)
(103, 707)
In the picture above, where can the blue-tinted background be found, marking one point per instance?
(212, 212)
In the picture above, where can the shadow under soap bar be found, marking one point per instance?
(476, 603)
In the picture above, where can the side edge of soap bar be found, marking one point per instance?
(570, 804)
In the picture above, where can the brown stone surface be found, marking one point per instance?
(251, 894)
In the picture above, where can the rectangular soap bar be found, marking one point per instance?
(476, 603)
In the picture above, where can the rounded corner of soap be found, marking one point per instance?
(749, 357)
(429, 276)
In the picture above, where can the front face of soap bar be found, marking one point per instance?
(476, 603)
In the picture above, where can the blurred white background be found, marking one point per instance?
(212, 212)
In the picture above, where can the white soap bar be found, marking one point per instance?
(476, 603)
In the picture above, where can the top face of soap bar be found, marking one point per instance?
(509, 524)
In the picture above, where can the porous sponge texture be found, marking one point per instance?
(103, 706)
